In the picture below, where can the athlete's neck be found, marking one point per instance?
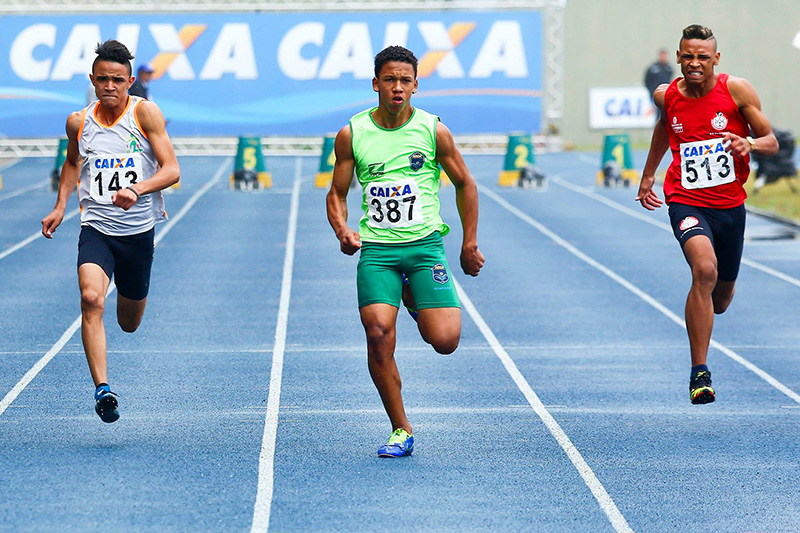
(698, 90)
(388, 120)
(109, 116)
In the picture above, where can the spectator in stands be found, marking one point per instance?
(658, 73)
(141, 86)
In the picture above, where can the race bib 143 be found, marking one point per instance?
(110, 173)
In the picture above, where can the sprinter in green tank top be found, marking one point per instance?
(395, 151)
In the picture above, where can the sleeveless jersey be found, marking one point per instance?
(399, 174)
(115, 157)
(702, 173)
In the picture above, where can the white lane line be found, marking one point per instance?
(650, 220)
(638, 292)
(40, 364)
(606, 503)
(266, 458)
(23, 190)
(67, 335)
(34, 236)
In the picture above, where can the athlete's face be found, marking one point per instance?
(395, 85)
(697, 59)
(111, 83)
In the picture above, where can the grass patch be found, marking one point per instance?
(776, 197)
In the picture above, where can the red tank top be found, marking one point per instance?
(702, 173)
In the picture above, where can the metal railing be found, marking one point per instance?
(274, 146)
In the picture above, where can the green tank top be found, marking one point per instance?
(399, 174)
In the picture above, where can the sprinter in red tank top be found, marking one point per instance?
(706, 121)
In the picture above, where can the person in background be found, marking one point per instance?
(141, 85)
(658, 73)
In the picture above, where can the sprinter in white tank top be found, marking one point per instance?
(124, 157)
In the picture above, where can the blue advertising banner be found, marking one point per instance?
(277, 73)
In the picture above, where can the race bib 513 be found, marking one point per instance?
(705, 164)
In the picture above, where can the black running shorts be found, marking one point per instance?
(724, 227)
(127, 259)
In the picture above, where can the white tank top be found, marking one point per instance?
(115, 157)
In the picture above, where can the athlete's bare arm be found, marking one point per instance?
(659, 144)
(749, 104)
(70, 172)
(336, 200)
(449, 156)
(169, 173)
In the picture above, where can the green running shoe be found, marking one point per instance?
(400, 444)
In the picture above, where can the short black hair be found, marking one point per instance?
(696, 31)
(395, 53)
(113, 51)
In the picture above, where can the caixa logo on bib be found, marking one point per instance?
(706, 149)
(114, 162)
(440, 273)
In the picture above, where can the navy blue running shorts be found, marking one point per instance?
(127, 259)
(724, 227)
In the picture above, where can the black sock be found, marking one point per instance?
(699, 368)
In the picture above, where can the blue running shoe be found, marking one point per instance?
(400, 444)
(105, 405)
(408, 299)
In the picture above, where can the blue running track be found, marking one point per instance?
(246, 403)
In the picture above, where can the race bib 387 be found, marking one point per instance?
(393, 204)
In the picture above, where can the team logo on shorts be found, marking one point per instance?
(688, 222)
(416, 160)
(440, 273)
(720, 122)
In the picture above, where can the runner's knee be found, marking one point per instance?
(129, 325)
(704, 273)
(378, 334)
(445, 346)
(442, 340)
(92, 300)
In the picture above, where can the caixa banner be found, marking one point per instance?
(277, 74)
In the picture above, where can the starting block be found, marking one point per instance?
(250, 170)
(519, 154)
(326, 162)
(616, 168)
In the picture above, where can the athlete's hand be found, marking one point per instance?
(647, 196)
(738, 146)
(350, 242)
(51, 222)
(471, 260)
(124, 198)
